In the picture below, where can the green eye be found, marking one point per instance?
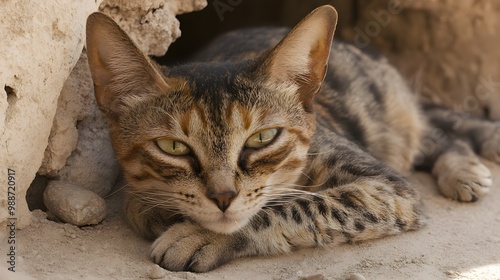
(261, 138)
(173, 147)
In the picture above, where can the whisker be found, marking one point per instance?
(115, 191)
(307, 176)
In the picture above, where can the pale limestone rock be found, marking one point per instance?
(79, 149)
(42, 41)
(74, 204)
(75, 103)
(150, 23)
(92, 165)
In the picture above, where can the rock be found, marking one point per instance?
(43, 41)
(313, 277)
(74, 105)
(152, 23)
(356, 276)
(79, 149)
(74, 204)
(157, 272)
(93, 164)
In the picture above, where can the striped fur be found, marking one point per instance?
(334, 173)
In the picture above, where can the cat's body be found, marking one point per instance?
(245, 155)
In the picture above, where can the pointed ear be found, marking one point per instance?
(302, 56)
(118, 67)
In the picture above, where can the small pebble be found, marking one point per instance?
(74, 204)
(313, 277)
(356, 276)
(450, 273)
(157, 272)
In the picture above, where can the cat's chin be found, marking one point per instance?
(224, 224)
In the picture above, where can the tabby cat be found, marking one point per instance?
(257, 150)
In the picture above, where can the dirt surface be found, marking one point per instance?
(461, 241)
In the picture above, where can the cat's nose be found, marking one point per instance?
(222, 199)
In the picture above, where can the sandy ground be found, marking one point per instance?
(461, 241)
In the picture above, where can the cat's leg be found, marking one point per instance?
(361, 199)
(482, 134)
(451, 147)
(460, 174)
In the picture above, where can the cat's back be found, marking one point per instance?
(365, 99)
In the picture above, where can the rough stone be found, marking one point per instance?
(151, 23)
(42, 42)
(93, 164)
(356, 276)
(74, 104)
(79, 149)
(313, 277)
(74, 204)
(157, 272)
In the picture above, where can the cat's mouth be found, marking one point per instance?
(225, 223)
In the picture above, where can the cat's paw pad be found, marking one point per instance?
(465, 180)
(188, 247)
(490, 148)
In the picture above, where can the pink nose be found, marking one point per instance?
(222, 199)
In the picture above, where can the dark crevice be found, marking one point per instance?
(11, 94)
(34, 194)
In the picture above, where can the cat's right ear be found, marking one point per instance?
(301, 58)
(118, 67)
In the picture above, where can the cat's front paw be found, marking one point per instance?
(464, 180)
(188, 247)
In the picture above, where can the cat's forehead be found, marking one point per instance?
(215, 97)
(216, 80)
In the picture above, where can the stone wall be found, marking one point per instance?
(42, 41)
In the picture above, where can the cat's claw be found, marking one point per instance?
(188, 247)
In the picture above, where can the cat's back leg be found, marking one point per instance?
(460, 174)
(451, 148)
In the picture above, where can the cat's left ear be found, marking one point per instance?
(302, 56)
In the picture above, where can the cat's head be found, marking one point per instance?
(214, 142)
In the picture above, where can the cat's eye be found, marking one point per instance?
(261, 138)
(173, 147)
